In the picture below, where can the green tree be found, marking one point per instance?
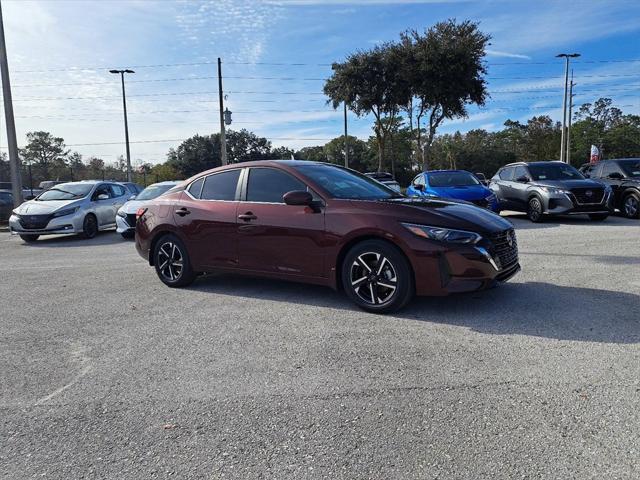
(195, 155)
(360, 157)
(245, 146)
(371, 82)
(314, 154)
(46, 153)
(445, 70)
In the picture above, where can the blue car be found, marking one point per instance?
(454, 184)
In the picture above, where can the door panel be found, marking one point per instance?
(285, 239)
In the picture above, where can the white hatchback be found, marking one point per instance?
(126, 216)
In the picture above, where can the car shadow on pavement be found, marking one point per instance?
(538, 309)
(54, 241)
(534, 308)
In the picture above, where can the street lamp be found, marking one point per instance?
(566, 57)
(126, 124)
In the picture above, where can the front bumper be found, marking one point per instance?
(563, 204)
(66, 225)
(123, 224)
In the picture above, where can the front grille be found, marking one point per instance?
(588, 195)
(131, 219)
(504, 248)
(34, 222)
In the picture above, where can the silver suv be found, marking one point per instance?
(550, 188)
(69, 208)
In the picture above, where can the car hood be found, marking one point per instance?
(586, 183)
(471, 192)
(448, 214)
(132, 206)
(35, 207)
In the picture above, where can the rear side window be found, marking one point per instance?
(221, 186)
(506, 173)
(269, 185)
(195, 188)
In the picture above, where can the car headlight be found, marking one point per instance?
(121, 213)
(559, 191)
(66, 211)
(442, 234)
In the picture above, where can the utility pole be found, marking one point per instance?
(563, 145)
(126, 123)
(223, 135)
(14, 160)
(346, 138)
(568, 154)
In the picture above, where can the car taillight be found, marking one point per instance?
(140, 212)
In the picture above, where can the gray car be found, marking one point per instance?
(550, 188)
(69, 208)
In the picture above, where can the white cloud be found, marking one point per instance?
(498, 53)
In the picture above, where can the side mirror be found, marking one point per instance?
(615, 175)
(298, 197)
(103, 196)
(522, 179)
(419, 187)
(132, 197)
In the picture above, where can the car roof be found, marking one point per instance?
(446, 171)
(259, 163)
(166, 182)
(538, 162)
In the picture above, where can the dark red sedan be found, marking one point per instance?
(324, 224)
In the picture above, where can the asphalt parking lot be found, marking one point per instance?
(107, 373)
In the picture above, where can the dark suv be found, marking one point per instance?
(623, 176)
(550, 188)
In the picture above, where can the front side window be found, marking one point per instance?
(520, 172)
(346, 184)
(221, 186)
(452, 179)
(66, 191)
(554, 171)
(269, 185)
(631, 167)
(118, 190)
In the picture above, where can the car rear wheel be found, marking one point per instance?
(598, 217)
(171, 261)
(90, 226)
(631, 206)
(377, 277)
(29, 238)
(534, 210)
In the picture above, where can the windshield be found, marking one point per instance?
(346, 184)
(452, 179)
(153, 191)
(554, 171)
(66, 191)
(631, 167)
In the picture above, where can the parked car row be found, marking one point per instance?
(543, 188)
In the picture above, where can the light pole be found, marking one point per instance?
(126, 123)
(563, 145)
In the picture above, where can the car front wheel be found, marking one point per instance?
(172, 264)
(90, 226)
(377, 277)
(534, 210)
(631, 206)
(29, 238)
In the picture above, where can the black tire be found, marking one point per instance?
(90, 226)
(128, 235)
(171, 262)
(598, 217)
(631, 205)
(535, 211)
(389, 283)
(29, 238)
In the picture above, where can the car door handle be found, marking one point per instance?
(247, 217)
(182, 212)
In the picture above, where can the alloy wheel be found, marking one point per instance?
(535, 209)
(170, 261)
(631, 206)
(373, 278)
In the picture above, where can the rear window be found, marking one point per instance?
(221, 186)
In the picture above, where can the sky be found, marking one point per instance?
(276, 55)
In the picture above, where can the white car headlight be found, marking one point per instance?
(443, 234)
(66, 211)
(559, 191)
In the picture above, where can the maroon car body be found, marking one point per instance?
(308, 243)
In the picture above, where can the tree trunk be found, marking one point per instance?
(380, 153)
(426, 153)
